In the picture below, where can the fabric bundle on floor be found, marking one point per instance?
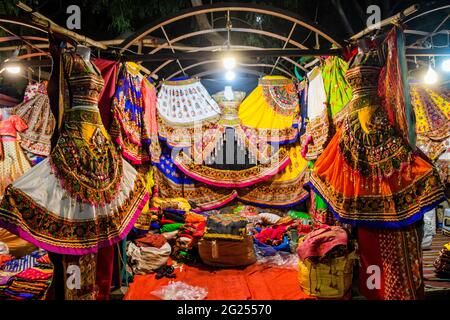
(27, 278)
(145, 258)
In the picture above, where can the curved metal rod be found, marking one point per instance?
(240, 64)
(427, 12)
(12, 38)
(245, 30)
(266, 10)
(21, 22)
(202, 32)
(32, 55)
(214, 48)
(241, 70)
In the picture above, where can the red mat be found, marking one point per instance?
(255, 282)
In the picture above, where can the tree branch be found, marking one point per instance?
(202, 20)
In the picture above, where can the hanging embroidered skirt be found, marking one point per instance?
(391, 264)
(13, 162)
(373, 179)
(318, 125)
(432, 110)
(337, 89)
(283, 190)
(134, 120)
(172, 183)
(273, 109)
(82, 198)
(40, 121)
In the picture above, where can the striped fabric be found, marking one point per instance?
(429, 256)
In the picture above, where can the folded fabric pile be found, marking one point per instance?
(27, 278)
(442, 263)
(148, 253)
(272, 234)
(188, 237)
(248, 212)
(324, 245)
(303, 221)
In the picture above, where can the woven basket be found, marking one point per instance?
(328, 281)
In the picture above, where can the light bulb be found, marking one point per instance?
(230, 75)
(446, 65)
(13, 69)
(431, 76)
(229, 63)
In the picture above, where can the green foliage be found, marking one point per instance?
(127, 15)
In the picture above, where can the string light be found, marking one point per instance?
(15, 69)
(230, 75)
(229, 63)
(446, 65)
(431, 76)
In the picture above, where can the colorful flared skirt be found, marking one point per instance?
(38, 209)
(392, 199)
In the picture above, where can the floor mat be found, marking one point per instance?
(255, 282)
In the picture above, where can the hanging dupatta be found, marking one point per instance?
(394, 87)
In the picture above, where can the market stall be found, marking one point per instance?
(185, 158)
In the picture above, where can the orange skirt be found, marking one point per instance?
(376, 201)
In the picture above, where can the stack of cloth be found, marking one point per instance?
(188, 236)
(148, 253)
(272, 233)
(27, 278)
(442, 263)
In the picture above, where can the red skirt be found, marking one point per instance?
(391, 264)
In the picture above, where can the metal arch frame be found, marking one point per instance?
(240, 64)
(202, 32)
(240, 70)
(214, 48)
(22, 22)
(420, 14)
(266, 10)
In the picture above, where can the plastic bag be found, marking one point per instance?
(278, 259)
(180, 291)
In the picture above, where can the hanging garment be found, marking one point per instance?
(393, 87)
(398, 254)
(273, 109)
(13, 162)
(432, 109)
(318, 124)
(337, 88)
(185, 111)
(172, 183)
(134, 110)
(35, 111)
(443, 164)
(109, 70)
(229, 155)
(84, 196)
(367, 174)
(283, 190)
